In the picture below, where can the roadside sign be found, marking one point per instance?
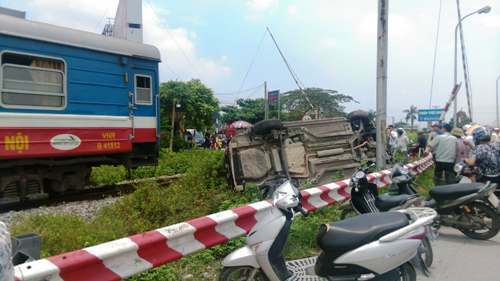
(430, 114)
(273, 96)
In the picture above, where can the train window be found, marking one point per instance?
(30, 81)
(143, 90)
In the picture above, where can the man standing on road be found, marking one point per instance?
(436, 130)
(444, 148)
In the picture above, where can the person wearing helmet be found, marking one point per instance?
(486, 156)
(444, 149)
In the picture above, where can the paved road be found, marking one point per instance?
(458, 258)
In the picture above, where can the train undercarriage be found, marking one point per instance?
(31, 179)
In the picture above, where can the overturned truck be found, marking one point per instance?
(317, 151)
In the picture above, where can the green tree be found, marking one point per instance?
(411, 115)
(329, 103)
(196, 105)
(250, 110)
(401, 124)
(462, 119)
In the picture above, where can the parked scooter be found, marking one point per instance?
(378, 247)
(365, 198)
(468, 207)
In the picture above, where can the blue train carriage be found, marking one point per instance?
(71, 100)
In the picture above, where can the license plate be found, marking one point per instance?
(494, 200)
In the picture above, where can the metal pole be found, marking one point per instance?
(266, 99)
(279, 106)
(464, 59)
(455, 74)
(382, 42)
(173, 126)
(498, 117)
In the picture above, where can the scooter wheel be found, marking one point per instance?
(485, 215)
(407, 273)
(237, 273)
(426, 252)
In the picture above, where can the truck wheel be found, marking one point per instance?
(264, 127)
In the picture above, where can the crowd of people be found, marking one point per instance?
(208, 141)
(476, 146)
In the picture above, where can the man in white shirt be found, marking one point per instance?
(444, 148)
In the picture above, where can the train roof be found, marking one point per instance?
(72, 37)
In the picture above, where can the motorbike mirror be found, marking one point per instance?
(459, 168)
(286, 196)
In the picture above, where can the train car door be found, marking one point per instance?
(144, 110)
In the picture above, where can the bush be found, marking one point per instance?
(169, 164)
(59, 233)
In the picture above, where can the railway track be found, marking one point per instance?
(89, 193)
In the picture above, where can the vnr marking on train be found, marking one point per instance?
(110, 142)
(108, 145)
(109, 135)
(18, 143)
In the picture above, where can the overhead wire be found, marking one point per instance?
(191, 64)
(241, 91)
(290, 69)
(435, 52)
(101, 20)
(252, 61)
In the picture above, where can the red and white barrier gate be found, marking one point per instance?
(125, 257)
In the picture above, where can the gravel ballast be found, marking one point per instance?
(85, 209)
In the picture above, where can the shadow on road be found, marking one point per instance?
(461, 238)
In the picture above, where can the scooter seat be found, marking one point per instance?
(340, 237)
(385, 202)
(454, 191)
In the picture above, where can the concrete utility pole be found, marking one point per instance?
(498, 117)
(458, 27)
(464, 64)
(172, 131)
(382, 42)
(266, 99)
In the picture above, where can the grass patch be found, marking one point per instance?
(425, 181)
(169, 164)
(203, 190)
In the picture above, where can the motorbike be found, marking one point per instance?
(374, 246)
(365, 198)
(469, 174)
(472, 207)
(378, 247)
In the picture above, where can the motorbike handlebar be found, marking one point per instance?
(301, 210)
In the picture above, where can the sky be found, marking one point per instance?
(329, 43)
